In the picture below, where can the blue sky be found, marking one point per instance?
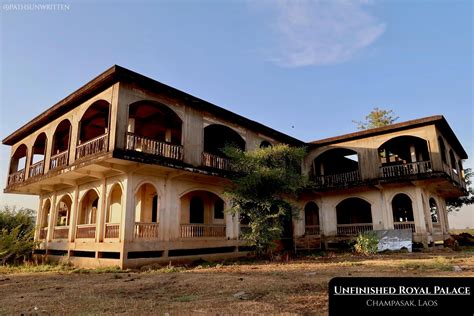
(306, 68)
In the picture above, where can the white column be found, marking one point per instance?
(73, 214)
(52, 217)
(100, 226)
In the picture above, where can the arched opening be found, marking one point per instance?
(338, 166)
(354, 215)
(311, 216)
(434, 212)
(44, 219)
(93, 129)
(18, 165)
(87, 217)
(146, 212)
(63, 214)
(155, 129)
(402, 210)
(453, 161)
(38, 153)
(404, 155)
(265, 144)
(114, 213)
(442, 149)
(60, 148)
(202, 215)
(216, 137)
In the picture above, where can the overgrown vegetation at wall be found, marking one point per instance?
(456, 204)
(16, 235)
(264, 184)
(366, 243)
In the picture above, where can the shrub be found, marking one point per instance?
(366, 243)
(16, 235)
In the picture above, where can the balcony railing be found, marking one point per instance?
(59, 160)
(311, 230)
(353, 229)
(146, 230)
(214, 161)
(406, 169)
(43, 233)
(338, 179)
(16, 177)
(92, 147)
(154, 147)
(86, 231)
(404, 225)
(202, 230)
(112, 230)
(61, 232)
(36, 169)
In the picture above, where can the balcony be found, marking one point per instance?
(146, 230)
(36, 169)
(92, 147)
(214, 161)
(112, 231)
(336, 180)
(59, 160)
(353, 229)
(202, 230)
(406, 169)
(16, 177)
(86, 231)
(404, 225)
(312, 230)
(154, 147)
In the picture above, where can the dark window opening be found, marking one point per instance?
(154, 209)
(442, 149)
(311, 214)
(353, 211)
(196, 210)
(109, 255)
(404, 149)
(61, 137)
(265, 144)
(434, 211)
(199, 251)
(83, 254)
(336, 161)
(216, 137)
(453, 161)
(94, 122)
(18, 160)
(402, 208)
(219, 209)
(144, 254)
(39, 148)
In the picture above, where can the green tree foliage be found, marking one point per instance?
(264, 182)
(377, 118)
(456, 204)
(16, 234)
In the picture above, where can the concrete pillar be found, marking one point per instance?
(412, 153)
(73, 214)
(100, 226)
(52, 218)
(419, 216)
(128, 216)
(39, 216)
(329, 219)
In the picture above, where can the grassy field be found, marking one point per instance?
(296, 286)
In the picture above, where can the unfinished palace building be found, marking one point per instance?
(129, 171)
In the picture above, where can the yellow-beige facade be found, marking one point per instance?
(129, 172)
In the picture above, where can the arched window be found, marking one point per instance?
(404, 149)
(94, 122)
(265, 144)
(434, 211)
(114, 213)
(216, 137)
(46, 213)
(453, 161)
(60, 148)
(402, 208)
(88, 208)
(146, 204)
(18, 165)
(64, 211)
(196, 210)
(353, 211)
(442, 149)
(311, 217)
(38, 153)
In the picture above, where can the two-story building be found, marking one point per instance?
(129, 171)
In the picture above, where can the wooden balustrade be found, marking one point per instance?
(16, 177)
(92, 147)
(214, 161)
(112, 230)
(61, 232)
(405, 169)
(202, 230)
(36, 169)
(146, 230)
(59, 160)
(86, 231)
(338, 179)
(353, 229)
(404, 225)
(154, 147)
(312, 230)
(43, 233)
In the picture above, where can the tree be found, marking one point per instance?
(264, 184)
(456, 204)
(16, 234)
(377, 118)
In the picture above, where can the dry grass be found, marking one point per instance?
(294, 287)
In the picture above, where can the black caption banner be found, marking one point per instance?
(401, 296)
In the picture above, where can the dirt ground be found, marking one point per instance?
(294, 287)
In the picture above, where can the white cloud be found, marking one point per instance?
(312, 32)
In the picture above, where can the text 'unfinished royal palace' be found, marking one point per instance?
(129, 171)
